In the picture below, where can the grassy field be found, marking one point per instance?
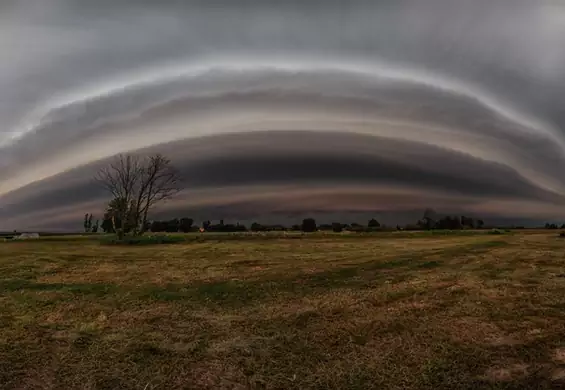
(382, 311)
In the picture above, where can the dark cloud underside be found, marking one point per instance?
(282, 107)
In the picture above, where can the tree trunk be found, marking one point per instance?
(146, 209)
(119, 231)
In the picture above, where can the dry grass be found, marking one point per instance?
(323, 312)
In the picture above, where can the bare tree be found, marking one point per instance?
(136, 186)
(120, 178)
(159, 182)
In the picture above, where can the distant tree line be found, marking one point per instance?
(432, 221)
(186, 225)
(554, 226)
(450, 223)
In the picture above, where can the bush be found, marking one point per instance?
(309, 225)
(143, 240)
(495, 231)
(337, 227)
(256, 227)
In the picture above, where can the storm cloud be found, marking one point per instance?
(274, 107)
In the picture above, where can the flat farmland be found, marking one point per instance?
(376, 311)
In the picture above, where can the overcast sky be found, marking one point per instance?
(286, 106)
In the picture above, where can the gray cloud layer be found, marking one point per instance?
(451, 99)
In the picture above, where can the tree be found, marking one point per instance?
(118, 213)
(159, 182)
(256, 227)
(121, 178)
(373, 223)
(448, 223)
(107, 226)
(185, 224)
(231, 228)
(137, 185)
(467, 222)
(429, 219)
(158, 226)
(173, 226)
(309, 225)
(337, 227)
(456, 223)
(87, 224)
(170, 226)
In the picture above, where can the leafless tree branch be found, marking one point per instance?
(137, 185)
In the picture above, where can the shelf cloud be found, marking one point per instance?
(284, 107)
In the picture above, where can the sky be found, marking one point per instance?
(283, 108)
